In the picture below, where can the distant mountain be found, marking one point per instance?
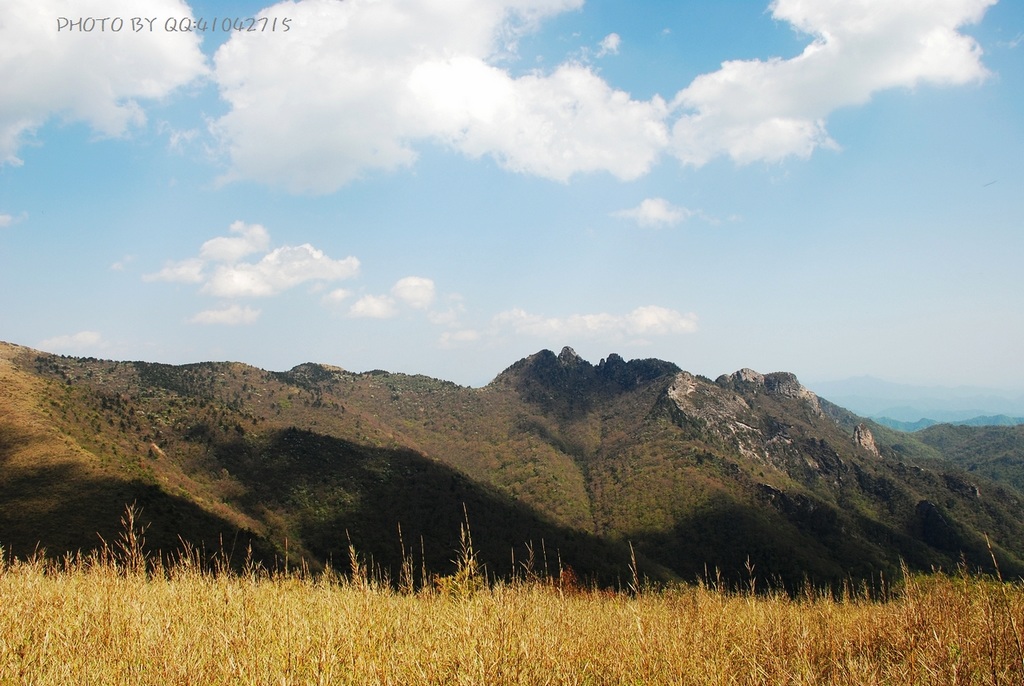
(573, 461)
(875, 398)
(998, 420)
(905, 426)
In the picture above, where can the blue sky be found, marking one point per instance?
(829, 188)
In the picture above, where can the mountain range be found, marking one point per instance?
(556, 463)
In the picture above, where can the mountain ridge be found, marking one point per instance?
(696, 474)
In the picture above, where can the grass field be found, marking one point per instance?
(121, 618)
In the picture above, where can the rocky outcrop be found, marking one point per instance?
(776, 384)
(567, 385)
(863, 437)
(569, 357)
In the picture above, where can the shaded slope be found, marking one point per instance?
(211, 444)
(59, 496)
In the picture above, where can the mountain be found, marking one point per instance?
(583, 464)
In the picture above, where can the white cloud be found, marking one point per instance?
(278, 270)
(609, 45)
(230, 315)
(658, 321)
(76, 343)
(374, 307)
(643, 321)
(415, 291)
(338, 295)
(98, 78)
(771, 109)
(554, 126)
(183, 271)
(251, 238)
(221, 273)
(656, 212)
(353, 87)
(355, 84)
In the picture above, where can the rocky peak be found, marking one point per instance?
(776, 384)
(747, 376)
(569, 357)
(783, 384)
(683, 385)
(568, 384)
(311, 374)
(613, 361)
(863, 437)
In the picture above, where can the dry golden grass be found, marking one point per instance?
(114, 619)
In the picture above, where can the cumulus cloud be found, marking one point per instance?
(356, 85)
(658, 321)
(336, 296)
(770, 109)
(251, 238)
(554, 126)
(650, 320)
(655, 212)
(374, 307)
(279, 270)
(222, 272)
(230, 315)
(415, 291)
(98, 78)
(183, 271)
(75, 343)
(609, 45)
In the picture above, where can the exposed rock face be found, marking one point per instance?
(786, 385)
(721, 413)
(863, 437)
(682, 385)
(747, 376)
(569, 357)
(777, 384)
(960, 485)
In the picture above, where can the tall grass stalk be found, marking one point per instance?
(91, 619)
(118, 616)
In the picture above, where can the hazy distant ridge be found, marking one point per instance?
(884, 400)
(997, 420)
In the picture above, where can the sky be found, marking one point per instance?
(832, 188)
